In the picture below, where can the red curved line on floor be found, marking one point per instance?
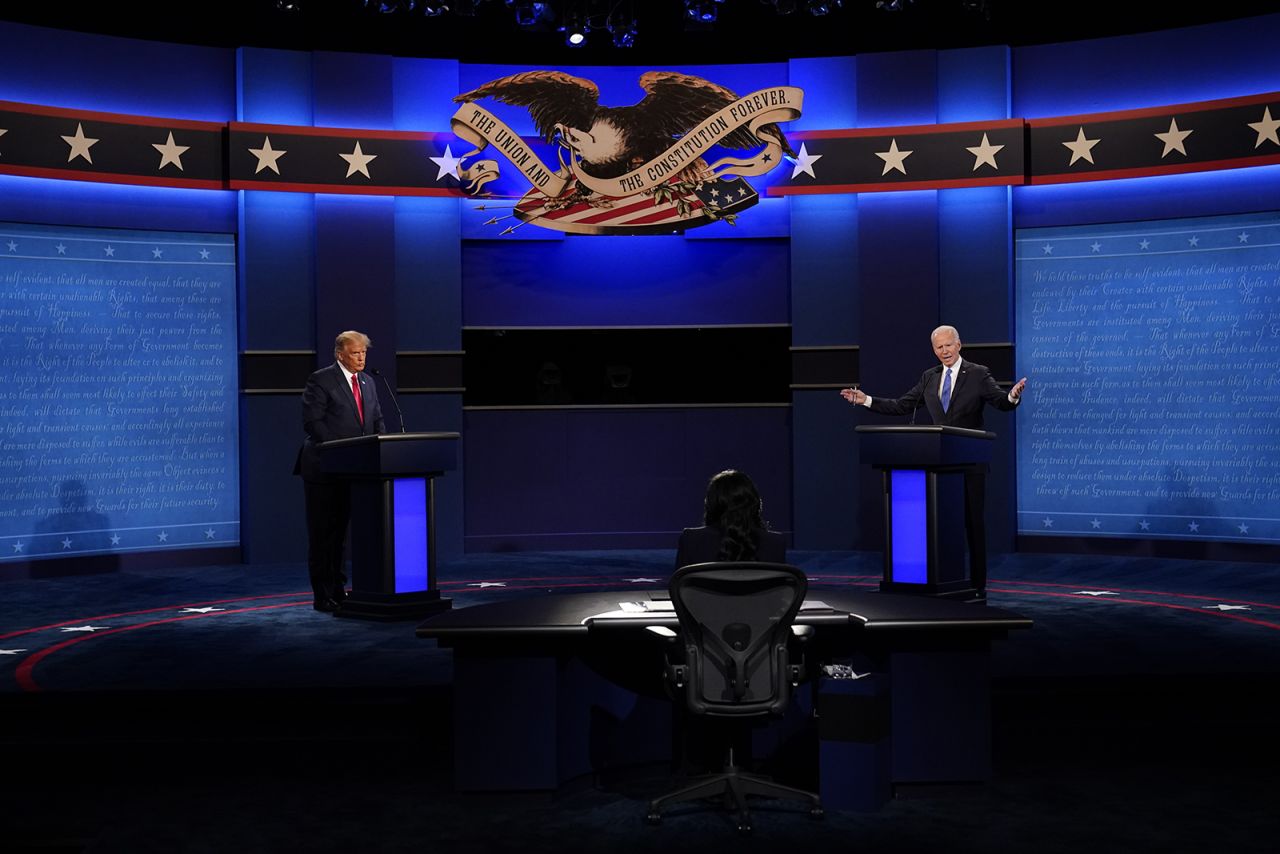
(1202, 611)
(26, 680)
(15, 634)
(1146, 592)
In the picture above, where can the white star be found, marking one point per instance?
(83, 628)
(483, 584)
(1228, 607)
(1144, 244)
(1194, 241)
(448, 164)
(80, 145)
(204, 254)
(66, 542)
(742, 192)
(1082, 148)
(651, 580)
(208, 533)
(358, 161)
(984, 153)
(1193, 527)
(163, 536)
(1144, 525)
(13, 247)
(1173, 138)
(200, 610)
(110, 250)
(156, 253)
(893, 158)
(1244, 529)
(170, 153)
(18, 547)
(715, 194)
(115, 539)
(267, 156)
(1095, 246)
(804, 163)
(1095, 593)
(1048, 523)
(11, 651)
(1095, 523)
(62, 249)
(1266, 128)
(1048, 248)
(1243, 237)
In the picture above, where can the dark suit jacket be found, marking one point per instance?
(971, 390)
(329, 412)
(702, 545)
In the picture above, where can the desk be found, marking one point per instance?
(552, 687)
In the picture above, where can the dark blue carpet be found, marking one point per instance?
(1136, 715)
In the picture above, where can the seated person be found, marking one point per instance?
(734, 526)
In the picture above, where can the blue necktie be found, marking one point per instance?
(946, 391)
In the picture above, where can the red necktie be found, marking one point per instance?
(355, 390)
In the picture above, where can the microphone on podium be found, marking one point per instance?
(377, 373)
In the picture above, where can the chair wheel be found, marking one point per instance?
(654, 818)
(744, 828)
(816, 813)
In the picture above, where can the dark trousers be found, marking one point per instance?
(975, 528)
(328, 513)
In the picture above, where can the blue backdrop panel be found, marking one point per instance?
(613, 478)
(1156, 410)
(625, 281)
(119, 418)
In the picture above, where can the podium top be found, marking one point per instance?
(924, 430)
(390, 455)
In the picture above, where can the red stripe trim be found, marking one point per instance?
(1171, 169)
(993, 181)
(1147, 112)
(26, 679)
(908, 130)
(113, 118)
(371, 190)
(347, 133)
(659, 215)
(19, 632)
(114, 178)
(1201, 611)
(1148, 593)
(615, 213)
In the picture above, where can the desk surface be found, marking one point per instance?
(569, 616)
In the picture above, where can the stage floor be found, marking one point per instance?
(213, 709)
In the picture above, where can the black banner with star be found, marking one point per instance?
(54, 142)
(975, 154)
(324, 160)
(47, 142)
(1160, 141)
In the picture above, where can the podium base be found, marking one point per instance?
(961, 591)
(367, 605)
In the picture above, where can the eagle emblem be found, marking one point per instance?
(634, 169)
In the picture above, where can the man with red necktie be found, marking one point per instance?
(339, 402)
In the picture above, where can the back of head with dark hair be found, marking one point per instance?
(733, 507)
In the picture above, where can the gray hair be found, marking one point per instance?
(941, 329)
(340, 343)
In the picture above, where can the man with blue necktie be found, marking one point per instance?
(339, 402)
(956, 393)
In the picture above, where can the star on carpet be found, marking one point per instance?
(1095, 593)
(200, 610)
(645, 580)
(67, 629)
(483, 584)
(1228, 608)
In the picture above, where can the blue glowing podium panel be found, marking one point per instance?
(118, 391)
(1154, 404)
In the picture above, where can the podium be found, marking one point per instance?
(924, 503)
(392, 477)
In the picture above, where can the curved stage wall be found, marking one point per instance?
(866, 273)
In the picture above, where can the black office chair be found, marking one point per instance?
(735, 638)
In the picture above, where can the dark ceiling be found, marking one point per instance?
(745, 30)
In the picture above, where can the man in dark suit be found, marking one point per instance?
(956, 393)
(339, 402)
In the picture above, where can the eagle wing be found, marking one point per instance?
(677, 102)
(552, 98)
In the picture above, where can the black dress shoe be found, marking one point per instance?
(327, 605)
